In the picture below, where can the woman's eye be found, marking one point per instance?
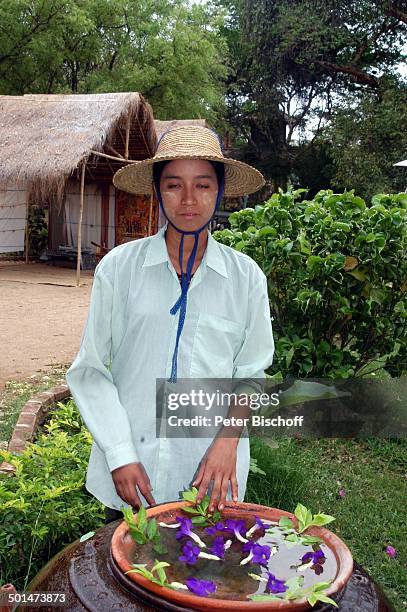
(171, 186)
(203, 186)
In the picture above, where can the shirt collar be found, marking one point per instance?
(157, 252)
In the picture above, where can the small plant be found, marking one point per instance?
(142, 529)
(201, 516)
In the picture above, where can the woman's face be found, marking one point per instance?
(189, 188)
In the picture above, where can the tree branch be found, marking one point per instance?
(357, 76)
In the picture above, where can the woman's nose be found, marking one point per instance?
(188, 196)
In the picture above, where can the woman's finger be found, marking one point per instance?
(215, 492)
(234, 486)
(201, 471)
(223, 493)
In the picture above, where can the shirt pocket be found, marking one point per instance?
(216, 343)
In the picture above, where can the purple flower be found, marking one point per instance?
(342, 492)
(258, 525)
(200, 587)
(190, 553)
(274, 585)
(257, 553)
(237, 527)
(218, 547)
(219, 526)
(315, 556)
(391, 551)
(185, 529)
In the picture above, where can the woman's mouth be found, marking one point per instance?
(188, 215)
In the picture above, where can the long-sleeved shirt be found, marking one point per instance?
(128, 343)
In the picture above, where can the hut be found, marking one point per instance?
(60, 152)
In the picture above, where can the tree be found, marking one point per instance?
(296, 60)
(162, 49)
(367, 140)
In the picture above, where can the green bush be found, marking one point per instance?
(336, 271)
(45, 506)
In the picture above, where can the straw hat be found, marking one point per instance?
(189, 142)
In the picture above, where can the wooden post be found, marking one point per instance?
(27, 237)
(150, 214)
(126, 148)
(78, 260)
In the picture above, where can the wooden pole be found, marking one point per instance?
(27, 237)
(78, 259)
(150, 214)
(126, 147)
(120, 159)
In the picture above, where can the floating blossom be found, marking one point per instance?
(342, 492)
(237, 527)
(258, 525)
(314, 560)
(391, 551)
(191, 552)
(274, 585)
(257, 553)
(213, 530)
(200, 587)
(185, 529)
(315, 556)
(219, 546)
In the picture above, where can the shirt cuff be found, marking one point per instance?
(121, 455)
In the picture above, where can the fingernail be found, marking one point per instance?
(235, 499)
(211, 508)
(221, 506)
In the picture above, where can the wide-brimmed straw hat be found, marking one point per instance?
(189, 142)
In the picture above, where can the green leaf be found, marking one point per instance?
(142, 519)
(326, 599)
(312, 600)
(137, 536)
(159, 564)
(190, 495)
(285, 523)
(199, 520)
(322, 519)
(300, 513)
(151, 529)
(86, 536)
(190, 510)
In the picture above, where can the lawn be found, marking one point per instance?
(370, 516)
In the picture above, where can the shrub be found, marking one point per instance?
(45, 506)
(336, 271)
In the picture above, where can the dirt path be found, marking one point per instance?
(42, 314)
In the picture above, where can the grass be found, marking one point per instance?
(371, 516)
(17, 393)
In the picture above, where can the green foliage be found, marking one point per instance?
(142, 529)
(336, 271)
(367, 138)
(45, 505)
(294, 63)
(162, 49)
(37, 231)
(158, 569)
(201, 514)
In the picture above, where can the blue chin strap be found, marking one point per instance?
(181, 304)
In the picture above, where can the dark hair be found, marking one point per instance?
(158, 168)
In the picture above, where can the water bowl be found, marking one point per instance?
(233, 584)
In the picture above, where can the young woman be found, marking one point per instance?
(174, 305)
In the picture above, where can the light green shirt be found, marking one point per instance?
(128, 342)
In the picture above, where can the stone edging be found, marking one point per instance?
(32, 415)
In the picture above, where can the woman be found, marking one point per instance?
(176, 304)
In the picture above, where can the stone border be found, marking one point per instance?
(31, 416)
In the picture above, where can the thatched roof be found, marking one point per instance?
(44, 138)
(162, 126)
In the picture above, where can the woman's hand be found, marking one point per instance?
(127, 479)
(219, 465)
